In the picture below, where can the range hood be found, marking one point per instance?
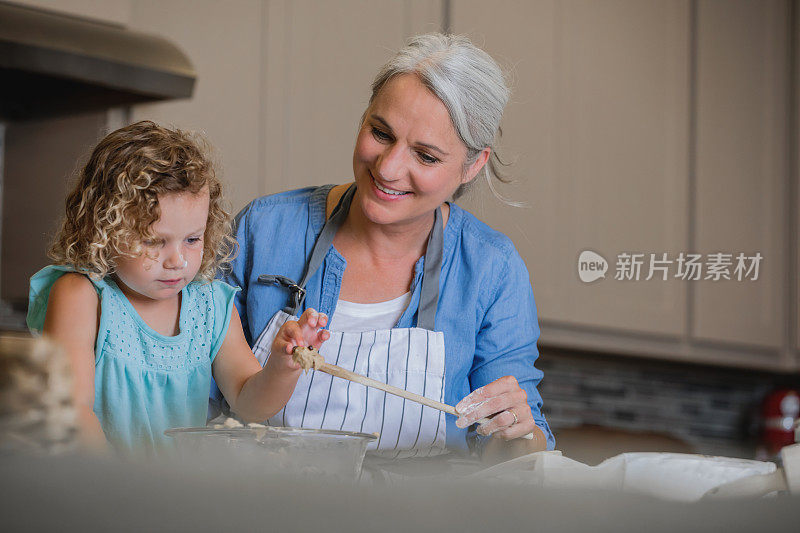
(53, 64)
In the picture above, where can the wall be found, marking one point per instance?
(223, 41)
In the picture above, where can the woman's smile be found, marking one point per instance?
(386, 193)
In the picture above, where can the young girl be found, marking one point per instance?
(131, 296)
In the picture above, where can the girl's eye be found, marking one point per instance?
(151, 243)
(380, 135)
(194, 240)
(427, 158)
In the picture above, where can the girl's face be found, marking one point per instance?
(173, 258)
(408, 158)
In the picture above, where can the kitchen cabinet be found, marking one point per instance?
(647, 127)
(598, 120)
(741, 169)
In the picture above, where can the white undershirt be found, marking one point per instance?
(353, 317)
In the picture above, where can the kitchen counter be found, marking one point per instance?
(87, 494)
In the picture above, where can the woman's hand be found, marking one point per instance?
(305, 331)
(504, 403)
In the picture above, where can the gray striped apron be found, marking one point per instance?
(409, 358)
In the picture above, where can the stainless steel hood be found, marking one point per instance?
(53, 64)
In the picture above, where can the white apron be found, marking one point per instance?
(409, 358)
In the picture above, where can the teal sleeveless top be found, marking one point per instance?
(146, 382)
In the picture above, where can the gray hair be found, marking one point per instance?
(468, 82)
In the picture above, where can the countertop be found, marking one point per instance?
(88, 494)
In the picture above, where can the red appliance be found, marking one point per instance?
(779, 413)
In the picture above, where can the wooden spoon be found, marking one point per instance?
(308, 358)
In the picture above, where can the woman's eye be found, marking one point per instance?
(427, 158)
(380, 135)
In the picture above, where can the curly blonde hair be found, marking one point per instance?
(114, 204)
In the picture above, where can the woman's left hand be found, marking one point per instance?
(504, 402)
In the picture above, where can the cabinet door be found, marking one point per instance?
(598, 131)
(321, 58)
(741, 168)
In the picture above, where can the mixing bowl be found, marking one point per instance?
(300, 451)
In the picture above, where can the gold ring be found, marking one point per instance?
(514, 415)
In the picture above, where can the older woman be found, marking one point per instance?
(420, 293)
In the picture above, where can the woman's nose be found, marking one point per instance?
(391, 164)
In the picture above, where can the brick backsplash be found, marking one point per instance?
(713, 409)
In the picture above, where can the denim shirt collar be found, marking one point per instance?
(317, 205)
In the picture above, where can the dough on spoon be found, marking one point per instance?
(307, 357)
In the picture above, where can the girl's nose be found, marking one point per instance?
(174, 258)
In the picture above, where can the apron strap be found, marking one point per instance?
(429, 295)
(324, 242)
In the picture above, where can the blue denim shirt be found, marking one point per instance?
(486, 307)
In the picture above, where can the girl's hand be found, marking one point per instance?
(499, 401)
(305, 331)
